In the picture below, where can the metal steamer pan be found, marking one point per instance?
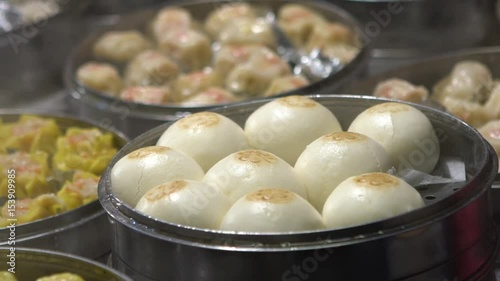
(134, 118)
(417, 27)
(429, 71)
(31, 264)
(83, 231)
(33, 54)
(452, 238)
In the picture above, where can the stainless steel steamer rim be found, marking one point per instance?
(34, 263)
(430, 70)
(62, 232)
(475, 187)
(199, 8)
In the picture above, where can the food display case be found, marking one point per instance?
(211, 140)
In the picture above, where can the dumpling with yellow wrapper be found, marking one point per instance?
(31, 172)
(30, 134)
(28, 210)
(88, 150)
(80, 191)
(61, 277)
(7, 276)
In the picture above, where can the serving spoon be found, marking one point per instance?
(313, 65)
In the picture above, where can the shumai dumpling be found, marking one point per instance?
(470, 81)
(248, 31)
(254, 77)
(30, 133)
(146, 94)
(171, 19)
(100, 77)
(88, 150)
(286, 84)
(120, 46)
(298, 21)
(189, 85)
(81, 190)
(30, 170)
(28, 209)
(328, 34)
(225, 14)
(232, 55)
(213, 95)
(150, 68)
(191, 48)
(400, 89)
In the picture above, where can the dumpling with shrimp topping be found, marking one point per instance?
(285, 84)
(298, 21)
(249, 170)
(469, 81)
(334, 157)
(248, 31)
(101, 77)
(224, 15)
(120, 46)
(169, 20)
(230, 56)
(368, 198)
(272, 210)
(285, 126)
(150, 68)
(254, 76)
(400, 89)
(205, 136)
(185, 202)
(189, 47)
(405, 133)
(139, 171)
(146, 94)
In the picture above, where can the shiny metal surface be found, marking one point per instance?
(33, 54)
(35, 263)
(83, 231)
(449, 239)
(414, 27)
(135, 119)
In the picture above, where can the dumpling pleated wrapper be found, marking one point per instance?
(205, 136)
(468, 81)
(31, 173)
(139, 171)
(186, 202)
(250, 170)
(287, 125)
(220, 17)
(88, 150)
(334, 157)
(81, 190)
(368, 198)
(30, 134)
(404, 131)
(120, 46)
(28, 210)
(272, 210)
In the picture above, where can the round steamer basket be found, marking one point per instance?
(83, 231)
(430, 71)
(33, 54)
(135, 119)
(452, 238)
(31, 264)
